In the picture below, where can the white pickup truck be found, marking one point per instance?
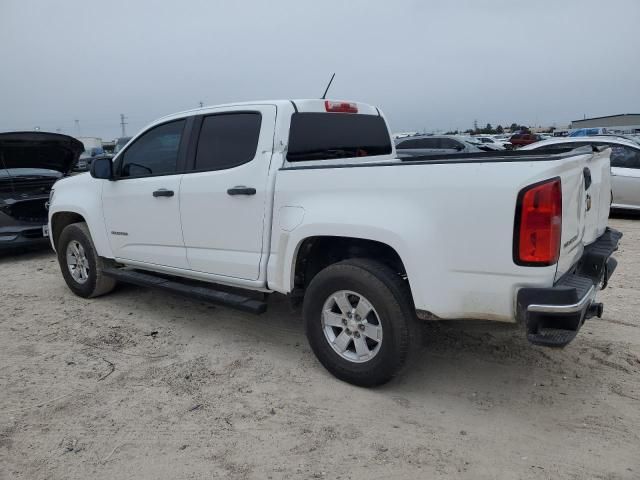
(307, 198)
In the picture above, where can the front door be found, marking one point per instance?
(141, 206)
(225, 199)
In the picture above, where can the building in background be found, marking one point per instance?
(622, 123)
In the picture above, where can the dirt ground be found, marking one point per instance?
(139, 384)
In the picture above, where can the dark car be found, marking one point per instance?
(86, 157)
(30, 163)
(522, 139)
(420, 145)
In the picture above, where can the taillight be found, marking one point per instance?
(340, 107)
(538, 226)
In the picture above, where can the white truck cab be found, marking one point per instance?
(307, 198)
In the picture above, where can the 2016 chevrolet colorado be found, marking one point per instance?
(308, 198)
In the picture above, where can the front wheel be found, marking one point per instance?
(359, 320)
(80, 264)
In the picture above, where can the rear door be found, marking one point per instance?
(141, 207)
(225, 195)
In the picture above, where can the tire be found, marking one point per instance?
(87, 283)
(392, 319)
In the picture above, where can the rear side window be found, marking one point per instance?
(324, 136)
(227, 140)
(419, 143)
(450, 143)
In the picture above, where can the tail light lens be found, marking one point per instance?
(538, 226)
(340, 107)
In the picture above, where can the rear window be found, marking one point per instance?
(324, 136)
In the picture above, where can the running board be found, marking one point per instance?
(227, 299)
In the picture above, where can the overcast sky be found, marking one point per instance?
(428, 64)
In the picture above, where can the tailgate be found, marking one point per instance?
(586, 196)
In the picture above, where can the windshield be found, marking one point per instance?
(471, 140)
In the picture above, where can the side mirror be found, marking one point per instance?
(460, 148)
(102, 168)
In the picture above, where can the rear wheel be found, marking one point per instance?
(360, 321)
(80, 264)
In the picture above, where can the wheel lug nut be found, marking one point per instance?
(348, 331)
(361, 326)
(348, 314)
(358, 318)
(344, 321)
(357, 334)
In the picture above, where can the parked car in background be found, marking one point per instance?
(30, 163)
(493, 143)
(625, 165)
(588, 132)
(120, 143)
(307, 198)
(522, 139)
(84, 162)
(436, 144)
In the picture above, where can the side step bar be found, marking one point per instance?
(232, 300)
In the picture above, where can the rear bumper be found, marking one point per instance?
(553, 316)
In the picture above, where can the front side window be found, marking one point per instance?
(228, 140)
(324, 136)
(154, 153)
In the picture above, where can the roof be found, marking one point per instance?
(596, 138)
(607, 116)
(304, 104)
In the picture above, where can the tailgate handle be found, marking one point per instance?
(587, 178)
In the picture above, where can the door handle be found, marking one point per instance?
(163, 192)
(241, 190)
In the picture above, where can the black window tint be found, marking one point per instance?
(429, 143)
(322, 136)
(450, 143)
(625, 157)
(155, 152)
(404, 145)
(228, 140)
(418, 143)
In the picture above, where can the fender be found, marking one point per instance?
(84, 199)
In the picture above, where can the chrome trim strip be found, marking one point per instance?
(571, 308)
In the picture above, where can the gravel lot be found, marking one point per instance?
(139, 384)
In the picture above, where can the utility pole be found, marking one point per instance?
(201, 104)
(77, 122)
(122, 124)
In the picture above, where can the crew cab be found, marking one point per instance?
(308, 198)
